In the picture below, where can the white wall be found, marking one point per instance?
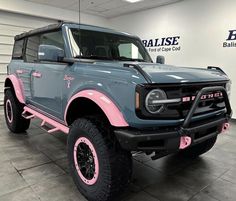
(50, 12)
(203, 26)
(17, 16)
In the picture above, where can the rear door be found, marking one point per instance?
(48, 78)
(21, 68)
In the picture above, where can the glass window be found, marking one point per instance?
(106, 46)
(31, 52)
(18, 49)
(54, 39)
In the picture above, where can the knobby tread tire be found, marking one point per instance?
(19, 123)
(115, 164)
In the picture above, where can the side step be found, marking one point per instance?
(47, 128)
(27, 115)
(49, 125)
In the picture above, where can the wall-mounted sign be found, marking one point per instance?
(231, 40)
(167, 44)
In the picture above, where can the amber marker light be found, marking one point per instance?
(137, 104)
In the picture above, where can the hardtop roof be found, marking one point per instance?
(54, 27)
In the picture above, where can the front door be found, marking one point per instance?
(48, 77)
(47, 81)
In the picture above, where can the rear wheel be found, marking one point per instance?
(199, 149)
(13, 110)
(99, 167)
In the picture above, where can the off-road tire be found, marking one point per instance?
(115, 164)
(13, 110)
(199, 149)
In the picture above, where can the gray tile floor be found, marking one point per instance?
(34, 167)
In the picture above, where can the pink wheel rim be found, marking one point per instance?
(9, 111)
(93, 161)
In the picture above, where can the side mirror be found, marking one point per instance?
(50, 53)
(160, 59)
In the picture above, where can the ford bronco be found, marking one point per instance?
(102, 89)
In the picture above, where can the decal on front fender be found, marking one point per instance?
(68, 79)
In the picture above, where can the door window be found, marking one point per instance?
(53, 39)
(34, 43)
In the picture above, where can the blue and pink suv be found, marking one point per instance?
(102, 89)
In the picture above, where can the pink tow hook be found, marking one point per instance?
(225, 127)
(185, 141)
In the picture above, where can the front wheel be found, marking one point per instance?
(13, 110)
(99, 167)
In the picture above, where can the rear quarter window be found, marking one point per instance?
(18, 49)
(31, 52)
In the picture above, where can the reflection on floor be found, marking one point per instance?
(34, 167)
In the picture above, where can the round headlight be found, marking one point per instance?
(154, 101)
(228, 88)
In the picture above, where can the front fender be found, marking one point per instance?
(108, 107)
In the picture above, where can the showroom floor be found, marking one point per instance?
(34, 167)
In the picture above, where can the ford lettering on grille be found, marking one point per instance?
(203, 97)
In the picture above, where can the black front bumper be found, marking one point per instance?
(169, 141)
(137, 140)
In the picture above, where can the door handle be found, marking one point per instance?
(20, 71)
(37, 74)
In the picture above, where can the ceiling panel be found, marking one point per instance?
(112, 5)
(56, 3)
(105, 8)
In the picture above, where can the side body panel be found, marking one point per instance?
(47, 86)
(22, 72)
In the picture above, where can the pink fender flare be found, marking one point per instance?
(108, 107)
(18, 88)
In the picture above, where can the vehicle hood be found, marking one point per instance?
(160, 73)
(172, 74)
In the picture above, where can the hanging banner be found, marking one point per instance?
(167, 44)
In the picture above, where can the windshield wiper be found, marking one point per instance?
(130, 59)
(93, 57)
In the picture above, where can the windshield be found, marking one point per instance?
(106, 46)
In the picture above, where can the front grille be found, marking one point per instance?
(181, 109)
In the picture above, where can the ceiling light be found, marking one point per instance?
(133, 1)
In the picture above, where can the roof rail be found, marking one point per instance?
(50, 27)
